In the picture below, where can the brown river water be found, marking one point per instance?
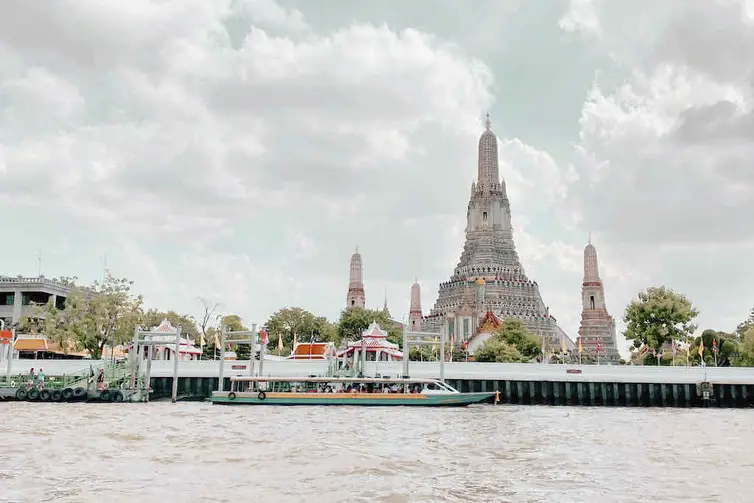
(196, 452)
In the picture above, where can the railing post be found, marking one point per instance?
(174, 394)
(221, 377)
(443, 338)
(11, 344)
(148, 377)
(133, 359)
(406, 350)
(262, 352)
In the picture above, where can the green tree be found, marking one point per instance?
(104, 314)
(497, 350)
(746, 350)
(512, 342)
(745, 325)
(296, 323)
(657, 316)
(727, 346)
(354, 320)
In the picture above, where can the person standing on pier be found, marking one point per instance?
(41, 379)
(30, 379)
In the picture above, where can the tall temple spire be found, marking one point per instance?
(488, 171)
(355, 296)
(489, 276)
(591, 268)
(415, 308)
(597, 326)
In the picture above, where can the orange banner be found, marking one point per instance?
(6, 334)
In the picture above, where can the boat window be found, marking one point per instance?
(447, 387)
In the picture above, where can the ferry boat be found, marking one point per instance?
(346, 391)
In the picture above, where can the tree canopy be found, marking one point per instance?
(746, 349)
(745, 325)
(512, 342)
(104, 314)
(727, 346)
(295, 323)
(659, 315)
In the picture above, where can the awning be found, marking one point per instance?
(30, 345)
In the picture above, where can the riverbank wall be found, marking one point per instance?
(525, 384)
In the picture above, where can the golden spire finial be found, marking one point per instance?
(488, 123)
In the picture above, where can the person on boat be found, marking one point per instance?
(30, 379)
(41, 379)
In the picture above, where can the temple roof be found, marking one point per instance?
(312, 350)
(374, 330)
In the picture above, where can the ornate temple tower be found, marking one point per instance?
(415, 309)
(596, 323)
(355, 297)
(489, 276)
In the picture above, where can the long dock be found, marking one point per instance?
(518, 383)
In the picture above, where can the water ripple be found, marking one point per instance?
(195, 452)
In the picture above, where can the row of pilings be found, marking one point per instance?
(572, 393)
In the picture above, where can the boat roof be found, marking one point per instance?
(334, 379)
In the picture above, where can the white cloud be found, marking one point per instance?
(238, 150)
(180, 127)
(662, 158)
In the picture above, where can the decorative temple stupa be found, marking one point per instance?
(489, 279)
(597, 326)
(415, 308)
(355, 296)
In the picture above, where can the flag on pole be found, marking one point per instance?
(263, 337)
(312, 339)
(599, 347)
(563, 344)
(217, 340)
(280, 342)
(580, 348)
(701, 348)
(714, 345)
(673, 347)
(202, 341)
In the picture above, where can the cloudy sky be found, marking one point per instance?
(241, 149)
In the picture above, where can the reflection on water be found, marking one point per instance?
(196, 452)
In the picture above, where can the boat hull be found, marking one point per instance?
(358, 399)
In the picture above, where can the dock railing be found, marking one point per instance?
(116, 373)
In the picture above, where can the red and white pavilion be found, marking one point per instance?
(375, 344)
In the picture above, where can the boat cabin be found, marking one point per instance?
(354, 385)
